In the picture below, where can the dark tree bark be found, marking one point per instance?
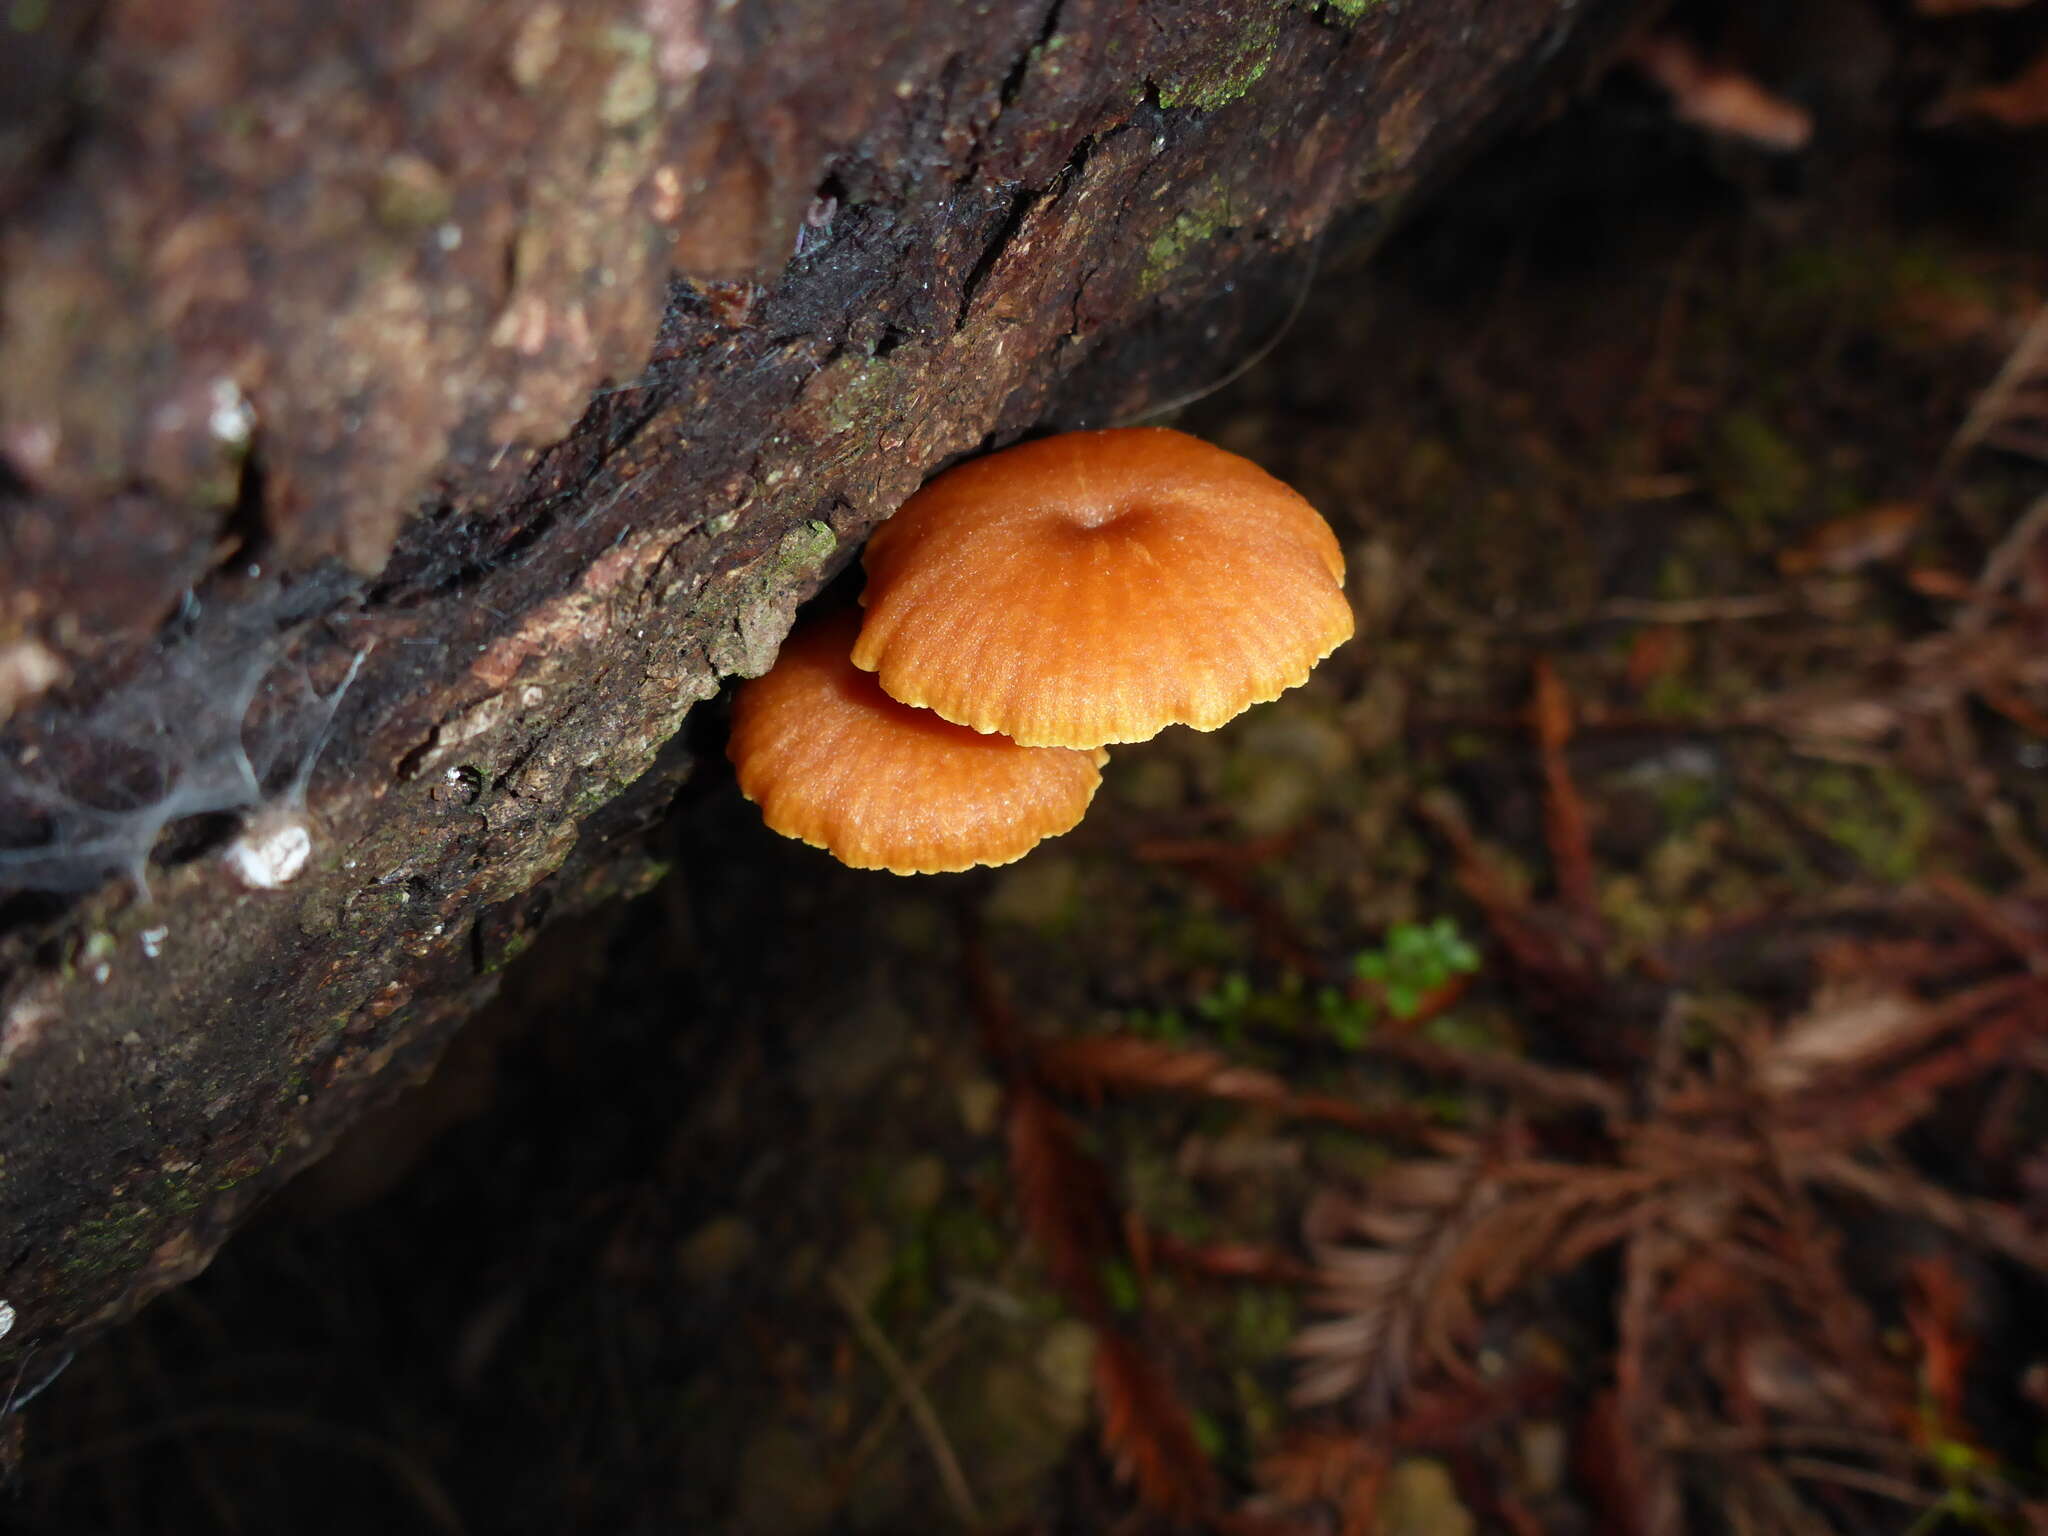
(376, 502)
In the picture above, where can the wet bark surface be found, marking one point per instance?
(379, 501)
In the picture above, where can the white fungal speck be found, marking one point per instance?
(102, 973)
(152, 940)
(271, 851)
(449, 237)
(232, 418)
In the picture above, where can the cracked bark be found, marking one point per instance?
(357, 332)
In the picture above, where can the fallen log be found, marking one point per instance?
(409, 414)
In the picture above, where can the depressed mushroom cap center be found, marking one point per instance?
(1122, 516)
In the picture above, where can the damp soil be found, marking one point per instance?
(712, 1222)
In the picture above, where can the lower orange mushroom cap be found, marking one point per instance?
(834, 762)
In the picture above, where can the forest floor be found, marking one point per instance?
(1580, 1063)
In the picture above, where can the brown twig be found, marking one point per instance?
(1862, 1479)
(1065, 1199)
(1734, 609)
(1990, 407)
(1982, 1223)
(919, 1406)
(1565, 822)
(1991, 919)
(1526, 1080)
(1092, 1065)
(940, 1342)
(1229, 1261)
(1147, 1431)
(1508, 913)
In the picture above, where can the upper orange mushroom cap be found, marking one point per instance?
(1100, 586)
(836, 763)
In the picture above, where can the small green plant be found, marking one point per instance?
(1234, 1008)
(1227, 1005)
(1167, 1024)
(1416, 959)
(1120, 1283)
(1345, 1019)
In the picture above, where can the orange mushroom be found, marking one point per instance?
(834, 762)
(1098, 587)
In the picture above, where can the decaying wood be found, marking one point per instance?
(342, 345)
